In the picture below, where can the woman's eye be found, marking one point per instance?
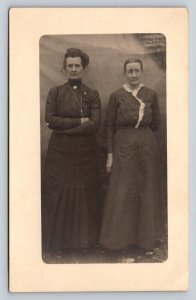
(131, 71)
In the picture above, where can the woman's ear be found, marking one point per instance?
(85, 70)
(124, 73)
(64, 73)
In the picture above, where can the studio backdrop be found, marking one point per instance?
(105, 74)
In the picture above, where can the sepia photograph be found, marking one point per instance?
(103, 148)
(100, 196)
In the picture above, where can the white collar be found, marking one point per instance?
(134, 91)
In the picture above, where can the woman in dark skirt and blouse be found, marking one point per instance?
(71, 201)
(132, 209)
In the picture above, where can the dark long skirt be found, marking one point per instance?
(132, 212)
(71, 197)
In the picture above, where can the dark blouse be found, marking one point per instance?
(123, 111)
(63, 110)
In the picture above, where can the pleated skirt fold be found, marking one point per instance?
(71, 198)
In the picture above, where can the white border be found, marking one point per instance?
(27, 271)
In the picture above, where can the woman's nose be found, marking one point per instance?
(73, 68)
(134, 73)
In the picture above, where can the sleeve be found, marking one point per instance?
(110, 123)
(155, 123)
(52, 119)
(95, 119)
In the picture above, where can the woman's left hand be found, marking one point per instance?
(84, 120)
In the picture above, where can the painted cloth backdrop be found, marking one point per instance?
(105, 73)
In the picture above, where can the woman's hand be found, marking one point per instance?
(109, 162)
(84, 120)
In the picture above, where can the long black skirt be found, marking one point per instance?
(133, 207)
(71, 195)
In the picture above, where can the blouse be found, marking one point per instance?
(127, 109)
(63, 110)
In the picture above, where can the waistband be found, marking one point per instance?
(132, 127)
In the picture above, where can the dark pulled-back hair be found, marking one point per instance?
(133, 60)
(75, 52)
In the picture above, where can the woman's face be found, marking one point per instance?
(133, 73)
(74, 67)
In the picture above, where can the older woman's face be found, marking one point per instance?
(133, 73)
(74, 67)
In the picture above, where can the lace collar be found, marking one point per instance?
(134, 91)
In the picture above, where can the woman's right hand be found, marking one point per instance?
(109, 162)
(84, 120)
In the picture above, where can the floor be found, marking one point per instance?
(98, 254)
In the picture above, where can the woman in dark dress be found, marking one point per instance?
(71, 208)
(132, 209)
